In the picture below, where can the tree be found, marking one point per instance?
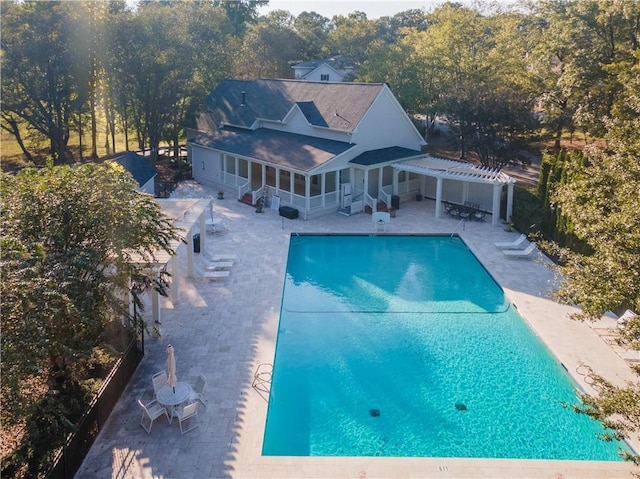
(40, 71)
(70, 238)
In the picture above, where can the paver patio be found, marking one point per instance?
(224, 329)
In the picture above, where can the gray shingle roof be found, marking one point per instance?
(335, 105)
(138, 166)
(383, 155)
(288, 150)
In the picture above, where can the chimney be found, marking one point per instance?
(244, 97)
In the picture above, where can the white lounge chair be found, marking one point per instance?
(520, 253)
(188, 413)
(516, 244)
(151, 412)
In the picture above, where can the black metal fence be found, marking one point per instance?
(70, 457)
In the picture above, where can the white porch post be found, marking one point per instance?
(509, 201)
(380, 175)
(237, 171)
(307, 195)
(174, 278)
(264, 175)
(249, 174)
(394, 181)
(189, 254)
(438, 197)
(277, 180)
(323, 188)
(495, 209)
(366, 182)
(292, 184)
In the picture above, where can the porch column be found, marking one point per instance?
(509, 201)
(495, 209)
(394, 181)
(277, 180)
(323, 188)
(237, 170)
(380, 176)
(366, 185)
(263, 181)
(438, 196)
(224, 168)
(249, 175)
(174, 278)
(307, 195)
(292, 185)
(189, 254)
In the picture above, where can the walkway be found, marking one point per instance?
(226, 328)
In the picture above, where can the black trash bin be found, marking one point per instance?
(395, 202)
(196, 243)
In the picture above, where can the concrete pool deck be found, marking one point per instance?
(225, 328)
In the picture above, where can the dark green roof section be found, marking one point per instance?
(139, 167)
(384, 155)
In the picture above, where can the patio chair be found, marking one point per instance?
(520, 253)
(188, 413)
(159, 379)
(150, 412)
(516, 244)
(198, 388)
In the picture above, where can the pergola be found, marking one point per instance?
(466, 173)
(188, 217)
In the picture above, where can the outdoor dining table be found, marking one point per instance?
(171, 397)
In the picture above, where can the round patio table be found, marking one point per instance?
(170, 397)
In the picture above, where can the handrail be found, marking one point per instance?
(385, 197)
(242, 189)
(371, 201)
(461, 222)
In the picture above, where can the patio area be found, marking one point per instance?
(224, 329)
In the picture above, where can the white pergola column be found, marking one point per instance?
(174, 278)
(203, 231)
(189, 254)
(155, 301)
(495, 208)
(509, 201)
(438, 197)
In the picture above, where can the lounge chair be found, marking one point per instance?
(520, 253)
(516, 244)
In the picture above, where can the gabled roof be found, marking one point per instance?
(455, 170)
(242, 103)
(384, 155)
(338, 62)
(138, 166)
(288, 150)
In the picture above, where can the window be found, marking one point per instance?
(324, 77)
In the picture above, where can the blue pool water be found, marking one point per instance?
(406, 346)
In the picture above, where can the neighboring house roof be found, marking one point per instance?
(338, 62)
(138, 166)
(289, 150)
(383, 155)
(244, 103)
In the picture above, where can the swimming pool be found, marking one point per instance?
(406, 346)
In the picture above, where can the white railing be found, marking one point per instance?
(371, 201)
(243, 189)
(384, 197)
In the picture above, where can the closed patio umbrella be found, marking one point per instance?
(172, 379)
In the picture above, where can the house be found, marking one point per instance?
(141, 170)
(331, 69)
(326, 147)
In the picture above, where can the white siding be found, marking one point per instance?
(205, 164)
